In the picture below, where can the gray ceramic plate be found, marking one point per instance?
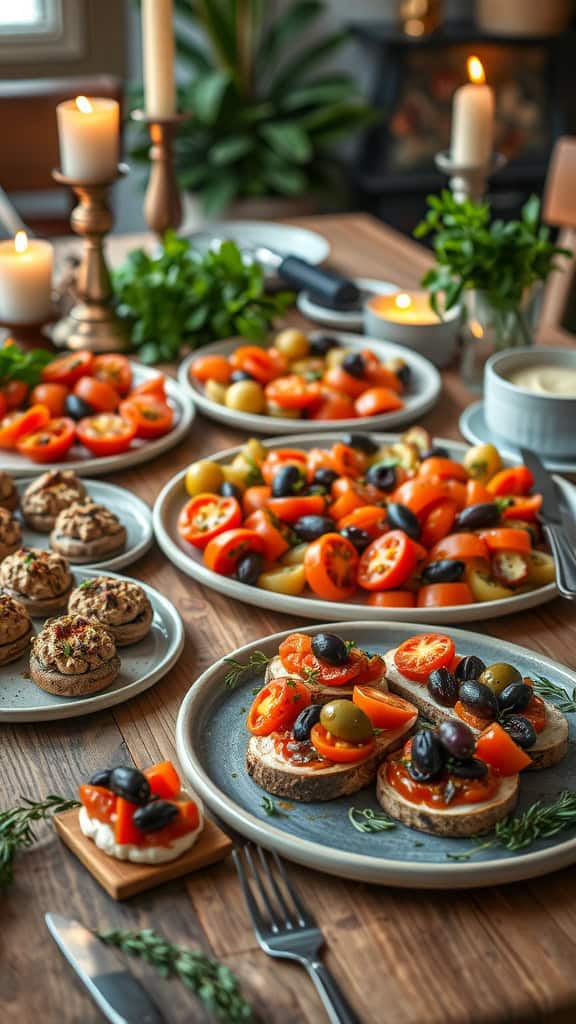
(474, 428)
(211, 741)
(143, 664)
(133, 513)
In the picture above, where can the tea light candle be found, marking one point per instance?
(25, 280)
(473, 119)
(407, 319)
(158, 49)
(405, 308)
(89, 137)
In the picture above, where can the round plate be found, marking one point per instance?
(473, 426)
(425, 388)
(85, 464)
(132, 512)
(284, 239)
(143, 664)
(189, 559)
(211, 741)
(347, 321)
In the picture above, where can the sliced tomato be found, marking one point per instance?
(476, 493)
(419, 495)
(275, 543)
(506, 539)
(317, 458)
(114, 369)
(14, 394)
(536, 712)
(459, 546)
(51, 443)
(371, 518)
(337, 750)
(496, 748)
(331, 565)
(262, 364)
(51, 395)
(277, 706)
(280, 457)
(106, 433)
(205, 516)
(125, 831)
(418, 656)
(348, 461)
(444, 595)
(164, 780)
(17, 425)
(375, 401)
(339, 380)
(99, 802)
(474, 721)
(290, 509)
(442, 469)
(152, 416)
(372, 667)
(438, 522)
(295, 653)
(380, 376)
(333, 405)
(223, 552)
(206, 368)
(347, 501)
(152, 386)
(455, 490)
(98, 394)
(510, 568)
(523, 507)
(509, 482)
(68, 369)
(293, 392)
(392, 599)
(387, 562)
(297, 656)
(385, 710)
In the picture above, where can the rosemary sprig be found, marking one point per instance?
(539, 821)
(270, 808)
(17, 833)
(366, 820)
(256, 661)
(555, 694)
(211, 981)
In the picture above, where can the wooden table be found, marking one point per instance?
(488, 957)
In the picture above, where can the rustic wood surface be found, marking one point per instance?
(487, 957)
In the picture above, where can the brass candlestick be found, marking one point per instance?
(92, 322)
(162, 205)
(469, 182)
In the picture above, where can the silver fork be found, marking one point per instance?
(285, 928)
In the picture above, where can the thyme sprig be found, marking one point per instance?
(17, 832)
(211, 981)
(257, 660)
(555, 694)
(539, 821)
(366, 820)
(270, 808)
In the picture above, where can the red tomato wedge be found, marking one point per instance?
(459, 546)
(375, 401)
(224, 551)
(536, 711)
(51, 443)
(290, 509)
(276, 460)
(68, 369)
(125, 831)
(418, 656)
(293, 392)
(215, 367)
(207, 515)
(420, 495)
(331, 565)
(262, 364)
(392, 599)
(274, 540)
(276, 707)
(438, 523)
(371, 518)
(255, 498)
(52, 395)
(508, 482)
(506, 539)
(99, 802)
(297, 656)
(496, 748)
(442, 469)
(523, 507)
(98, 394)
(387, 562)
(385, 710)
(334, 405)
(114, 369)
(444, 595)
(164, 780)
(151, 415)
(337, 750)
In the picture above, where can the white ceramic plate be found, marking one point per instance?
(85, 464)
(425, 387)
(473, 426)
(189, 559)
(211, 740)
(143, 664)
(284, 239)
(132, 512)
(346, 321)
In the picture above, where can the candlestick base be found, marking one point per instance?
(162, 205)
(469, 182)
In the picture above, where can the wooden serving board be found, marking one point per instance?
(121, 878)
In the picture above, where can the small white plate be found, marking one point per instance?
(85, 464)
(284, 239)
(143, 664)
(338, 318)
(422, 395)
(474, 428)
(133, 513)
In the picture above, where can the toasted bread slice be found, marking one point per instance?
(550, 747)
(464, 820)
(320, 694)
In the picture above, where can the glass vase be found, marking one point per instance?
(488, 329)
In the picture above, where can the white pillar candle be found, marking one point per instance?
(473, 119)
(25, 280)
(89, 137)
(158, 48)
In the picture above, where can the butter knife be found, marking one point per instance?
(113, 988)
(554, 517)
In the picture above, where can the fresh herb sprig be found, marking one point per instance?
(256, 661)
(211, 981)
(25, 366)
(555, 694)
(539, 821)
(366, 820)
(270, 808)
(17, 832)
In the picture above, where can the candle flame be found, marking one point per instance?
(20, 241)
(476, 329)
(476, 72)
(403, 301)
(83, 104)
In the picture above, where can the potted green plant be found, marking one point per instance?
(263, 115)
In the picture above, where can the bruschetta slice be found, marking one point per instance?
(334, 671)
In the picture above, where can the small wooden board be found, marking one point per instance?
(121, 878)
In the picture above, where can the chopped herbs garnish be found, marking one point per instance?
(539, 821)
(86, 584)
(17, 833)
(67, 648)
(257, 660)
(366, 820)
(349, 645)
(270, 808)
(310, 674)
(555, 694)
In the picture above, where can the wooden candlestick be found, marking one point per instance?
(162, 205)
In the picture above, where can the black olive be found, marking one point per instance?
(400, 517)
(155, 815)
(469, 768)
(520, 729)
(330, 648)
(287, 480)
(427, 754)
(230, 490)
(447, 570)
(435, 452)
(306, 719)
(101, 778)
(470, 667)
(479, 699)
(382, 476)
(362, 442)
(324, 477)
(354, 364)
(130, 784)
(321, 344)
(515, 697)
(443, 687)
(359, 538)
(237, 375)
(249, 567)
(312, 527)
(476, 517)
(457, 738)
(77, 408)
(404, 374)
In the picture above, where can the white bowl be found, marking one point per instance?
(525, 418)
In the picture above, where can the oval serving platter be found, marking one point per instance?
(211, 742)
(189, 559)
(425, 388)
(143, 665)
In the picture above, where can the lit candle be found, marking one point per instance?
(404, 308)
(89, 136)
(25, 280)
(407, 319)
(158, 48)
(473, 119)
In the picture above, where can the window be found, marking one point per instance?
(41, 30)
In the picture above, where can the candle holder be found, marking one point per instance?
(92, 322)
(162, 205)
(33, 334)
(469, 182)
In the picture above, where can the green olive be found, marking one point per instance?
(245, 396)
(203, 477)
(346, 721)
(293, 344)
(497, 677)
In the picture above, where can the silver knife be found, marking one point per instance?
(553, 516)
(113, 988)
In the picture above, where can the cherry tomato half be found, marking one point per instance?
(280, 457)
(375, 401)
(496, 748)
(392, 599)
(438, 522)
(152, 416)
(114, 369)
(99, 802)
(337, 750)
(385, 710)
(68, 369)
(275, 542)
(444, 595)
(505, 539)
(14, 393)
(51, 395)
(223, 552)
(276, 707)
(98, 394)
(51, 443)
(17, 425)
(293, 392)
(215, 367)
(334, 405)
(418, 656)
(205, 516)
(387, 562)
(106, 433)
(331, 566)
(297, 656)
(290, 509)
(262, 364)
(460, 546)
(508, 482)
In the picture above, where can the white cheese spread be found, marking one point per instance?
(103, 836)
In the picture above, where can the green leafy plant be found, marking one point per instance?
(263, 117)
(25, 366)
(17, 829)
(539, 821)
(183, 297)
